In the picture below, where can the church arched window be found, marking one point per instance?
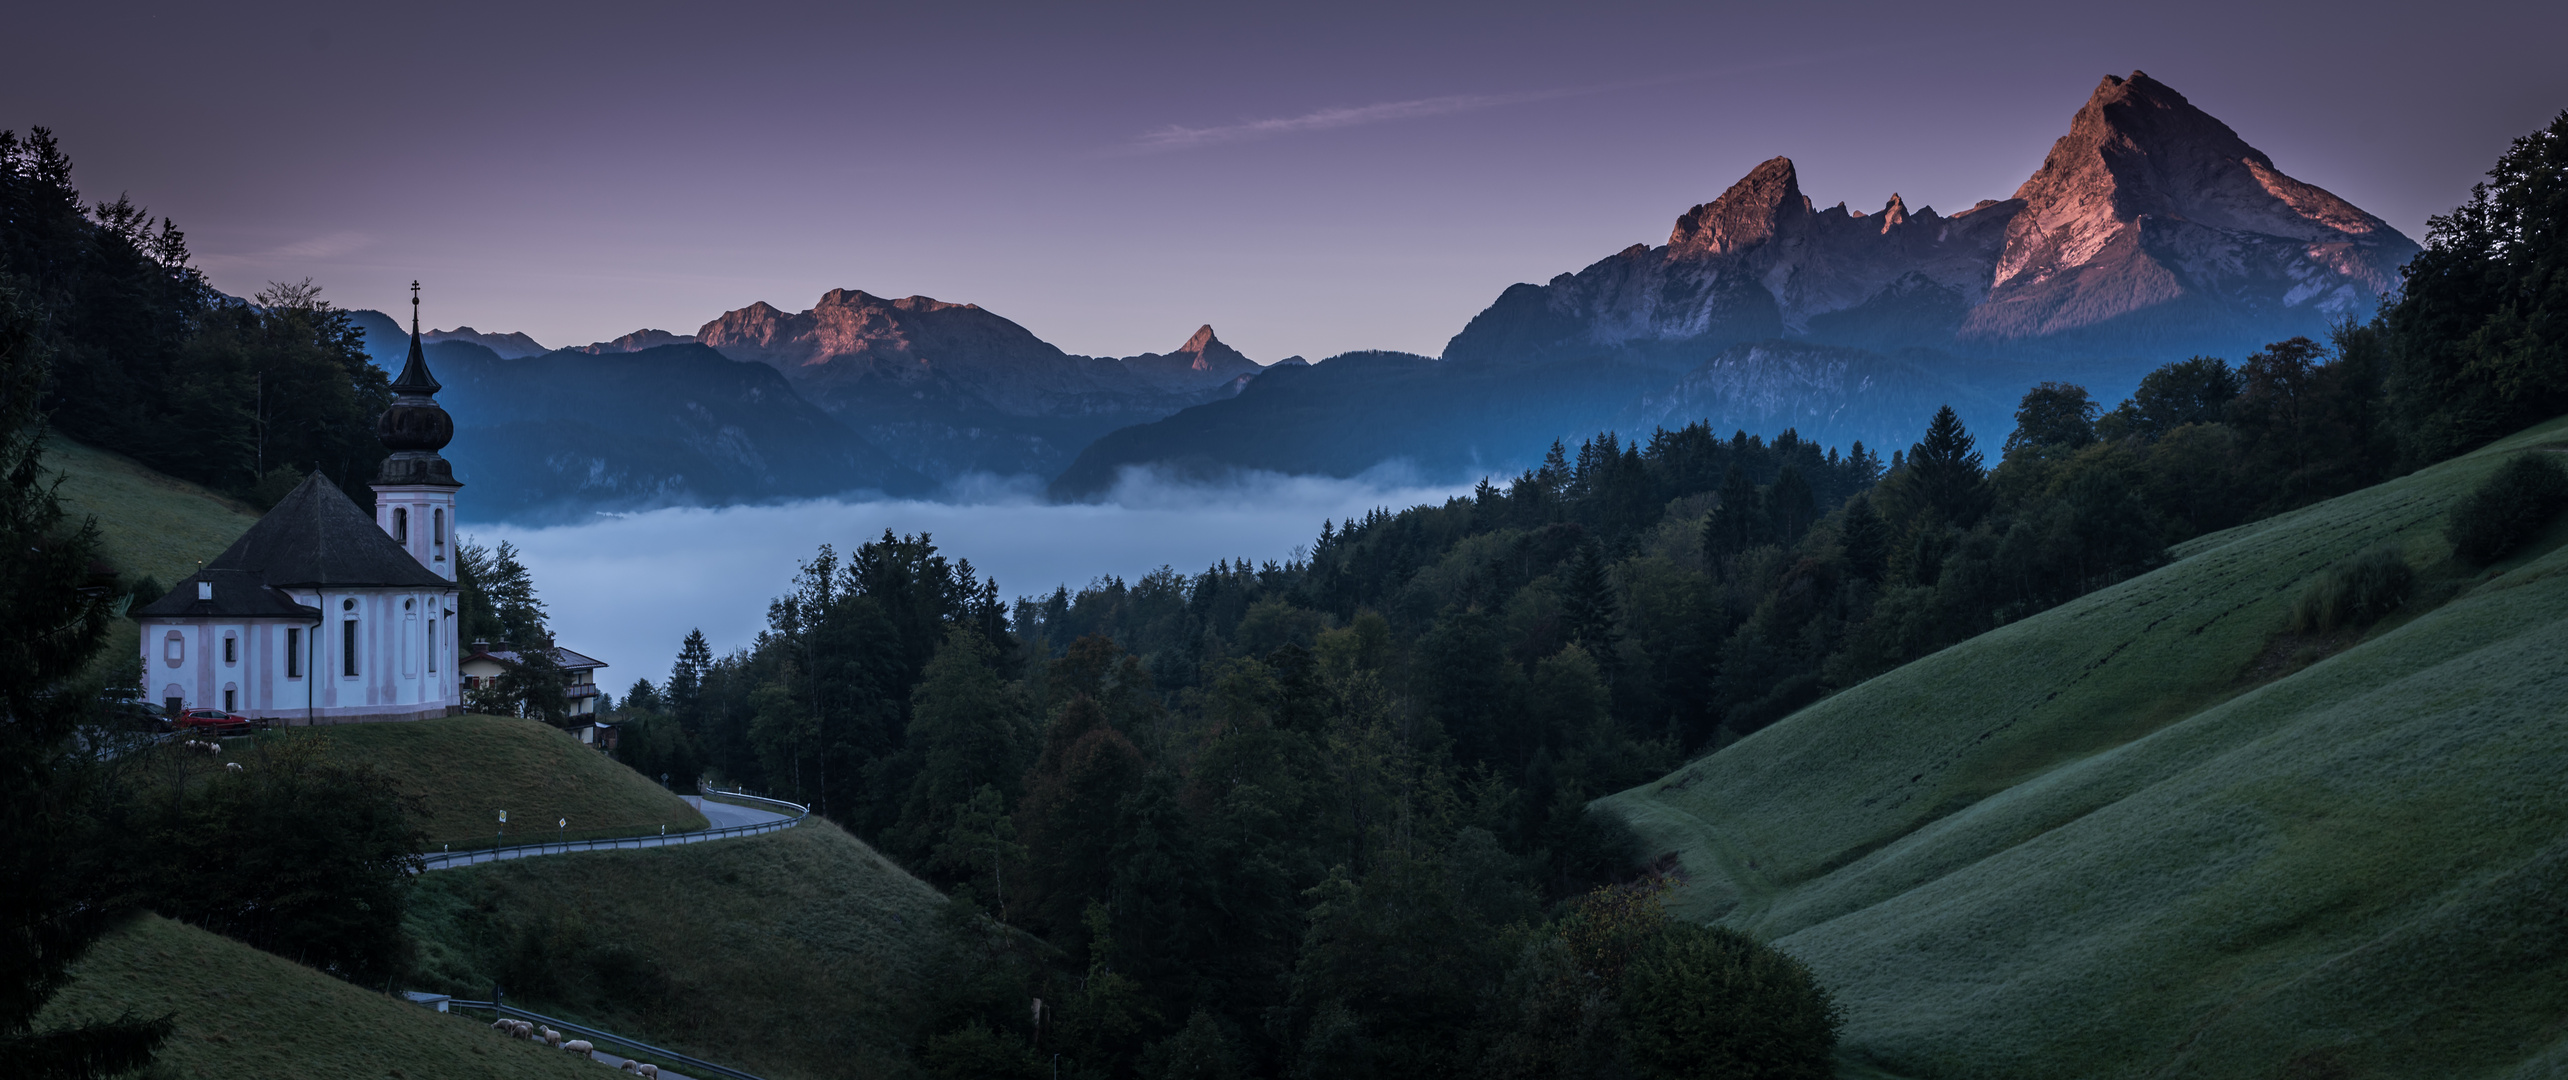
(401, 524)
(348, 637)
(437, 530)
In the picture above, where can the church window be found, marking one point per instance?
(401, 524)
(348, 647)
(230, 699)
(231, 649)
(434, 644)
(437, 531)
(174, 648)
(294, 652)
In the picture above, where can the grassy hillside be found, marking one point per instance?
(2135, 835)
(793, 954)
(244, 1014)
(148, 523)
(465, 769)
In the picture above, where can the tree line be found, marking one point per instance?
(1324, 816)
(1331, 814)
(145, 358)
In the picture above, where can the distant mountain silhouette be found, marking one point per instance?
(568, 433)
(951, 389)
(2150, 233)
(509, 346)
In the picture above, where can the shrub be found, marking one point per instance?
(1710, 1001)
(2353, 593)
(2507, 509)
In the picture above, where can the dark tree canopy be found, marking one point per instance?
(2478, 335)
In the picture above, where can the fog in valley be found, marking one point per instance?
(626, 588)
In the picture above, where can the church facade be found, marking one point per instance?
(318, 614)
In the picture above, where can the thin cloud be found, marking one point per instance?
(328, 246)
(325, 246)
(1179, 136)
(1182, 136)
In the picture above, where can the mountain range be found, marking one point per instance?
(2151, 232)
(954, 389)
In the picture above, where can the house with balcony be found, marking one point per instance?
(483, 666)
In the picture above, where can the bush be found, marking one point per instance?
(2356, 592)
(2507, 509)
(1710, 1001)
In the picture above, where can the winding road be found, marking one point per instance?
(728, 820)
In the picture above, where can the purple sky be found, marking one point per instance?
(1309, 180)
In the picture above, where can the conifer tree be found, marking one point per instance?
(1865, 538)
(1944, 472)
(51, 910)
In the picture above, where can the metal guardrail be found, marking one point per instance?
(442, 860)
(667, 1058)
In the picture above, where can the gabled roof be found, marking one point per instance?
(562, 658)
(237, 594)
(315, 538)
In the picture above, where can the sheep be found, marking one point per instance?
(650, 1072)
(630, 1065)
(578, 1046)
(524, 1029)
(553, 1038)
(504, 1024)
(232, 766)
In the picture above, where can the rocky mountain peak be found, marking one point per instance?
(1894, 212)
(1748, 214)
(1202, 340)
(2138, 150)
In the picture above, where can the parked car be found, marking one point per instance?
(214, 722)
(124, 713)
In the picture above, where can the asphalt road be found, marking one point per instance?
(722, 815)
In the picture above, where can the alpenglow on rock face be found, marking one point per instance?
(953, 389)
(2152, 230)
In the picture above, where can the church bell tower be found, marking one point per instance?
(415, 492)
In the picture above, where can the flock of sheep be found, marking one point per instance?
(526, 1029)
(210, 747)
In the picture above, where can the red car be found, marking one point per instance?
(213, 721)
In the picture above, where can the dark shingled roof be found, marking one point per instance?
(316, 538)
(238, 594)
(562, 658)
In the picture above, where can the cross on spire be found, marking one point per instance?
(414, 308)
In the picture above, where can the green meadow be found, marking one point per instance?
(800, 953)
(242, 1014)
(2151, 833)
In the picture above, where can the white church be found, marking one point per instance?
(316, 615)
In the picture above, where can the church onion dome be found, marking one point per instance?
(416, 427)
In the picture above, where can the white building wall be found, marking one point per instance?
(405, 659)
(422, 519)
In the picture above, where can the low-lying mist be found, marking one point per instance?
(626, 588)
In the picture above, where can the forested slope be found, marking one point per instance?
(2126, 837)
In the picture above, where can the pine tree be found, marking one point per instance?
(1737, 523)
(50, 909)
(1866, 539)
(1944, 472)
(1789, 506)
(686, 677)
(1588, 610)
